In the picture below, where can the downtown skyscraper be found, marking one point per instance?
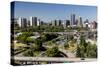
(72, 19)
(22, 22)
(34, 21)
(80, 24)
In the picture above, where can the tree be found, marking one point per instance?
(50, 43)
(78, 54)
(21, 38)
(38, 44)
(82, 40)
(27, 34)
(66, 45)
(29, 40)
(91, 51)
(70, 37)
(28, 53)
(50, 36)
(86, 50)
(82, 51)
(81, 48)
(52, 52)
(25, 37)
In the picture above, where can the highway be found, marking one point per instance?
(30, 59)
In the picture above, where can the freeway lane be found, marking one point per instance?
(53, 59)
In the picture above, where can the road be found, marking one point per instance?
(69, 54)
(53, 59)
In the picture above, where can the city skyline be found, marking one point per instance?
(44, 33)
(48, 12)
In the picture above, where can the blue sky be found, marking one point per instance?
(48, 12)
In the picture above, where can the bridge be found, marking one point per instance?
(60, 59)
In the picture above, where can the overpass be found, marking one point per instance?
(52, 59)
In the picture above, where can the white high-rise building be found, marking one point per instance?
(34, 21)
(19, 21)
(54, 23)
(80, 24)
(38, 22)
(31, 21)
(22, 22)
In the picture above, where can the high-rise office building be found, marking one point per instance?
(57, 23)
(54, 22)
(38, 22)
(76, 22)
(86, 23)
(19, 21)
(34, 21)
(22, 22)
(80, 22)
(41, 23)
(72, 19)
(67, 23)
(28, 23)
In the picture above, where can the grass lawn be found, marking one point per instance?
(72, 47)
(18, 45)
